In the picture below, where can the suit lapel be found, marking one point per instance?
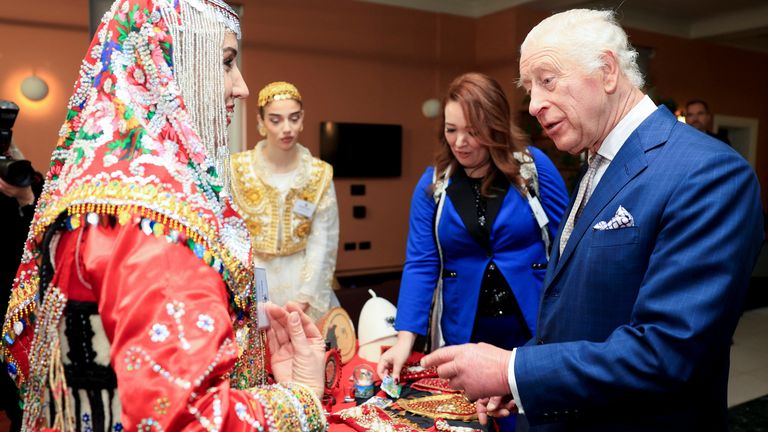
(629, 162)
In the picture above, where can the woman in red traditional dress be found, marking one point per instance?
(134, 307)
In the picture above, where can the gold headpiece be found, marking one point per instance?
(279, 90)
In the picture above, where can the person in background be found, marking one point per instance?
(502, 203)
(697, 114)
(17, 205)
(288, 201)
(648, 277)
(133, 307)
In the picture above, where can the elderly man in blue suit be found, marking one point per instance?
(644, 292)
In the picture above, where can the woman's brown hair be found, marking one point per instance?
(487, 111)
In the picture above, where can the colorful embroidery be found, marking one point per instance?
(370, 417)
(243, 414)
(211, 425)
(149, 425)
(159, 333)
(205, 323)
(447, 406)
(87, 423)
(161, 405)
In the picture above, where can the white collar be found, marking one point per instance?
(616, 138)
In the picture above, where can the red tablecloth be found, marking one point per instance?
(346, 384)
(344, 388)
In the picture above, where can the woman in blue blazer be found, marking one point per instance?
(492, 243)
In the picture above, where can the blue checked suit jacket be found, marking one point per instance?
(635, 324)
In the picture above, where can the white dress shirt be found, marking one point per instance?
(608, 150)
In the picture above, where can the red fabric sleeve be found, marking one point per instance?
(167, 317)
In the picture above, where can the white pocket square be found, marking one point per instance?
(621, 219)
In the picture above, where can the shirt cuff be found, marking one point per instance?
(513, 382)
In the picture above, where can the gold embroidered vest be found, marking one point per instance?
(259, 201)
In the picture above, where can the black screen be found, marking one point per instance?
(362, 149)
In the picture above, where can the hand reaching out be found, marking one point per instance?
(392, 361)
(481, 370)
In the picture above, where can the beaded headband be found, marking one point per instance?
(223, 12)
(279, 90)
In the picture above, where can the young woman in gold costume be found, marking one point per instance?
(287, 199)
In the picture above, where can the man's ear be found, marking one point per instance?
(611, 71)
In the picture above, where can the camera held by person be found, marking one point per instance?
(14, 172)
(20, 186)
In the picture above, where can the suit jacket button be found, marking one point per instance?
(539, 341)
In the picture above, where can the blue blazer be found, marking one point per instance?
(515, 246)
(635, 323)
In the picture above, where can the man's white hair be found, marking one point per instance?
(584, 35)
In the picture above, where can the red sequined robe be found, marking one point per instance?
(159, 316)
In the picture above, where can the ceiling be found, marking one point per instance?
(740, 23)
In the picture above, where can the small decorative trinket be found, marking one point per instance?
(363, 376)
(332, 369)
(390, 388)
(328, 402)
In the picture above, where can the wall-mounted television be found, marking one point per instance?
(361, 150)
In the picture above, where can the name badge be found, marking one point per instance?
(538, 211)
(304, 208)
(262, 297)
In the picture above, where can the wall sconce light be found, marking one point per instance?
(431, 108)
(34, 88)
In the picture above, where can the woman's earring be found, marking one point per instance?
(262, 130)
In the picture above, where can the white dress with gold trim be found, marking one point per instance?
(293, 219)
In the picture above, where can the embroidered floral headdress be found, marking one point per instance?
(144, 131)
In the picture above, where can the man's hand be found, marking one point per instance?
(23, 195)
(478, 369)
(496, 406)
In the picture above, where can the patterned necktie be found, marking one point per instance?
(585, 190)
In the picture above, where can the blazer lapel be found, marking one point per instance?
(463, 199)
(500, 189)
(629, 162)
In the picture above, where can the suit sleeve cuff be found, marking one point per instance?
(513, 382)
